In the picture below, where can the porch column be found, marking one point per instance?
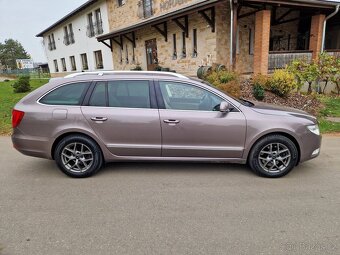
(262, 37)
(316, 31)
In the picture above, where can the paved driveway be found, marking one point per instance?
(161, 208)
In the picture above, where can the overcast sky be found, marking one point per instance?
(23, 19)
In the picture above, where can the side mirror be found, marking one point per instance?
(224, 107)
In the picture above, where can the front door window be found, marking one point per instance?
(180, 96)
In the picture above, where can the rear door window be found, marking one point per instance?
(98, 97)
(129, 94)
(71, 94)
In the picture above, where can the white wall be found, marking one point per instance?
(83, 44)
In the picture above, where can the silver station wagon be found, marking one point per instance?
(86, 119)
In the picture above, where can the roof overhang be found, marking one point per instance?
(65, 18)
(324, 4)
(193, 7)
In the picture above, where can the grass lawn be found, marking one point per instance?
(332, 106)
(332, 109)
(7, 101)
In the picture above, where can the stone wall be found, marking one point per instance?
(212, 47)
(206, 45)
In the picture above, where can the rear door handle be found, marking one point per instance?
(171, 121)
(99, 119)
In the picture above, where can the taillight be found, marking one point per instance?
(17, 117)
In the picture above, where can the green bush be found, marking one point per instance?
(226, 81)
(282, 82)
(22, 85)
(258, 92)
(218, 77)
(137, 68)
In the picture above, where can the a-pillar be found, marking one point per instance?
(262, 38)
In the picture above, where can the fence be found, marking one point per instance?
(280, 59)
(35, 73)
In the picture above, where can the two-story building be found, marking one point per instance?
(250, 36)
(70, 43)
(246, 35)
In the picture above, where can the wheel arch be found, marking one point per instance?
(70, 133)
(285, 134)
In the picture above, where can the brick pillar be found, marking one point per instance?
(316, 30)
(262, 37)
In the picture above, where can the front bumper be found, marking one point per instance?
(310, 146)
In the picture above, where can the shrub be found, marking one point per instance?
(22, 85)
(226, 81)
(218, 77)
(158, 68)
(232, 88)
(137, 68)
(298, 68)
(282, 82)
(258, 92)
(327, 66)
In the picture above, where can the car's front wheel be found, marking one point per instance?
(78, 156)
(273, 156)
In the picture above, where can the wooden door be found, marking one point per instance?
(151, 54)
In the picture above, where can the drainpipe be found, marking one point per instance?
(325, 25)
(231, 32)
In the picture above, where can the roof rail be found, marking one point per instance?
(101, 73)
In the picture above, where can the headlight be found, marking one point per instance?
(314, 129)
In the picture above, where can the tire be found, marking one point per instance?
(273, 156)
(78, 156)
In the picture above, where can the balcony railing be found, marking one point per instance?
(335, 53)
(280, 59)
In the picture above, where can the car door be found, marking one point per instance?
(124, 115)
(193, 126)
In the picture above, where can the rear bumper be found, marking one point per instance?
(31, 145)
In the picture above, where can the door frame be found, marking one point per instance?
(148, 66)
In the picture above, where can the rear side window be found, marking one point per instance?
(71, 94)
(129, 94)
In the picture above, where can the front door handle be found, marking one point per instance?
(171, 121)
(99, 119)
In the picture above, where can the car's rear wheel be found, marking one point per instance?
(273, 156)
(78, 156)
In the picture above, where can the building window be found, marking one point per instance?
(147, 8)
(121, 2)
(51, 42)
(184, 49)
(90, 26)
(126, 54)
(251, 41)
(84, 61)
(71, 34)
(194, 40)
(99, 22)
(99, 59)
(66, 37)
(174, 43)
(63, 64)
(56, 68)
(73, 63)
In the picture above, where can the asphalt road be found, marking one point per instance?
(162, 208)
